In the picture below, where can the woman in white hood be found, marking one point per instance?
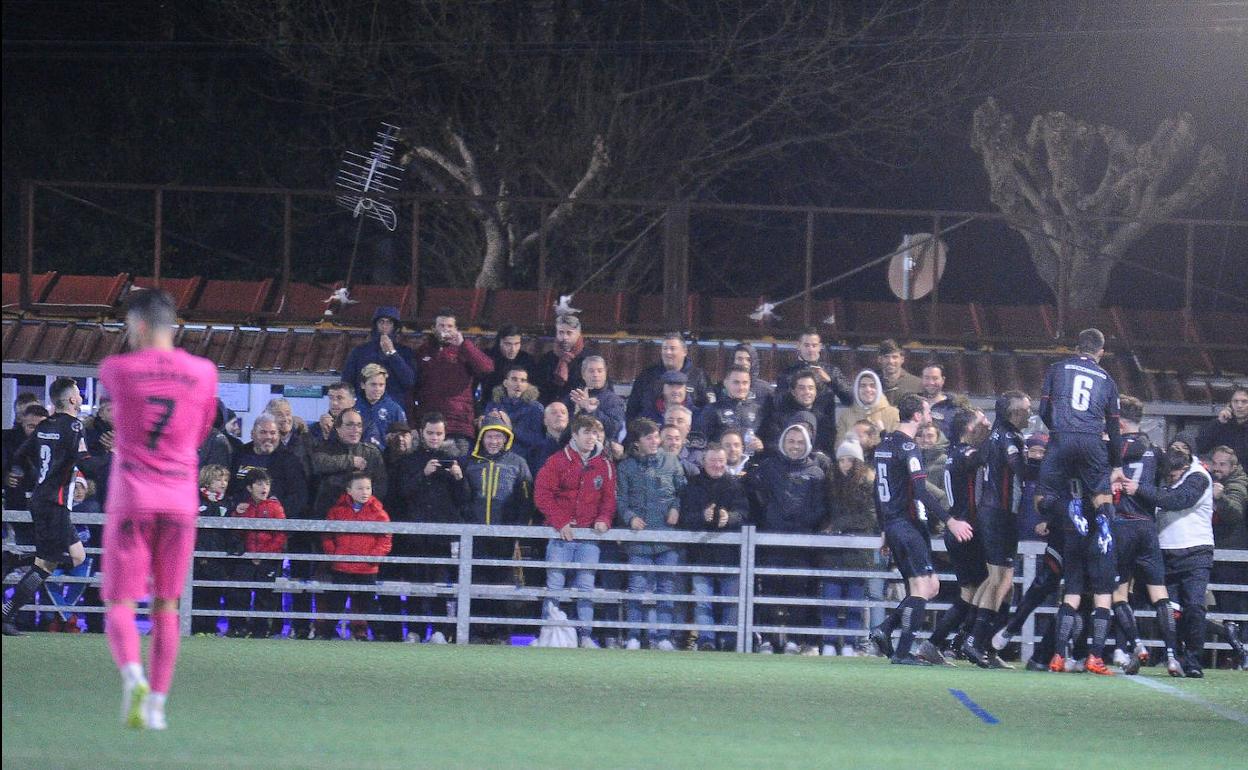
(869, 404)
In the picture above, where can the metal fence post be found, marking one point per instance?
(463, 589)
(187, 604)
(1029, 627)
(746, 637)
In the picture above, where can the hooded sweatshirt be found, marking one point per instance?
(401, 364)
(501, 484)
(881, 413)
(789, 493)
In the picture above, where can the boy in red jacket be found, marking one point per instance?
(576, 488)
(357, 504)
(258, 543)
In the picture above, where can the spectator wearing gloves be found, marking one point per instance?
(648, 497)
(357, 503)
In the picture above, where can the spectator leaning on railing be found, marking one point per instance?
(261, 566)
(576, 488)
(357, 503)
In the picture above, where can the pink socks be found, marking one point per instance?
(164, 651)
(123, 635)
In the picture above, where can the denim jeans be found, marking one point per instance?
(704, 612)
(580, 552)
(652, 582)
(830, 617)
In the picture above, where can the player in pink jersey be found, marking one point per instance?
(164, 400)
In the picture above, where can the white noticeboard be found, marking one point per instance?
(235, 395)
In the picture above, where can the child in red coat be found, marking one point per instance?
(358, 504)
(257, 544)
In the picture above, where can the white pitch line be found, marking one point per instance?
(1223, 711)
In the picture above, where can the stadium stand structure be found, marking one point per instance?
(1165, 356)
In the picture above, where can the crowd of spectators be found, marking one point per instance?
(442, 431)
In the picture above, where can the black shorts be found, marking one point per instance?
(1084, 568)
(54, 533)
(999, 531)
(1135, 542)
(967, 559)
(910, 548)
(1070, 456)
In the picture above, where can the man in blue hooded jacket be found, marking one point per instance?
(381, 348)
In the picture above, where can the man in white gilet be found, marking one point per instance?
(1184, 500)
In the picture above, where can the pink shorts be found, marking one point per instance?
(146, 554)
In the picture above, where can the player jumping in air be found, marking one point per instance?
(1079, 404)
(51, 454)
(903, 504)
(163, 405)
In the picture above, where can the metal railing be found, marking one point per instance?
(463, 591)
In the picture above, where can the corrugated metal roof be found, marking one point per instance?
(313, 354)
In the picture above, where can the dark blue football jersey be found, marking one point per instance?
(962, 464)
(1003, 469)
(1139, 462)
(50, 455)
(901, 492)
(1079, 396)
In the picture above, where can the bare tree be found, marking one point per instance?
(1064, 170)
(527, 99)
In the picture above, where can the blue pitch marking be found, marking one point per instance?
(974, 707)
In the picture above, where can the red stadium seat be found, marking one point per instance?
(183, 290)
(92, 292)
(39, 283)
(233, 299)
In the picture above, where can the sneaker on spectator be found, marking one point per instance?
(765, 648)
(633, 643)
(809, 650)
(849, 651)
(828, 651)
(791, 648)
(613, 643)
(707, 646)
(665, 645)
(437, 637)
(690, 643)
(411, 638)
(588, 643)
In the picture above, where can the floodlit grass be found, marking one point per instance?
(278, 703)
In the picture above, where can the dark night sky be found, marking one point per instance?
(1151, 60)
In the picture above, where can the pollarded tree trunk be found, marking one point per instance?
(1064, 169)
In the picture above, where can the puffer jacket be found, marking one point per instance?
(648, 488)
(502, 487)
(576, 491)
(526, 419)
(790, 493)
(260, 541)
(356, 543)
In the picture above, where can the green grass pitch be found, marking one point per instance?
(277, 703)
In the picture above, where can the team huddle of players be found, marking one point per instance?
(1109, 500)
